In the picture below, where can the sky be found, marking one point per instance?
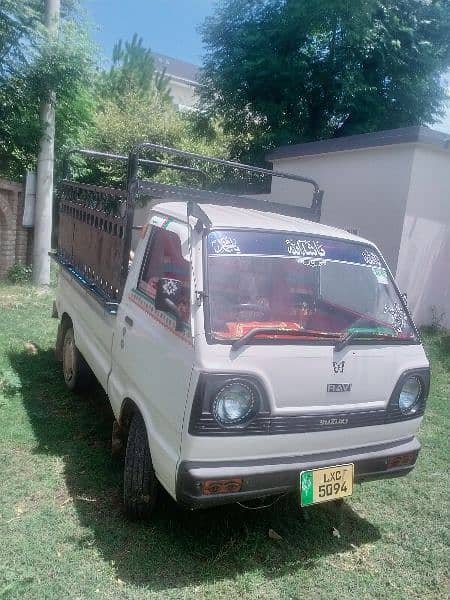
(166, 26)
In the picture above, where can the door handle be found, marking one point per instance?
(129, 321)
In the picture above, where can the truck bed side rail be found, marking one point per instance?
(93, 232)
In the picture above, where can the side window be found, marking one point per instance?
(164, 260)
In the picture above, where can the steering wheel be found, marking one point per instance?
(259, 308)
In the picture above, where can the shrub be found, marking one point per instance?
(19, 273)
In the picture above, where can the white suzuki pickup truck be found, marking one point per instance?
(247, 350)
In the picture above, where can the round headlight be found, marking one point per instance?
(408, 400)
(235, 403)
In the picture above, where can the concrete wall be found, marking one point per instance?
(424, 261)
(365, 189)
(182, 94)
(15, 240)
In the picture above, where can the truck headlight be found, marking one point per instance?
(235, 403)
(410, 395)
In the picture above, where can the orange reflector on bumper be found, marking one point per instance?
(400, 461)
(221, 486)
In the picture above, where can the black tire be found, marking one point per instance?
(140, 486)
(77, 373)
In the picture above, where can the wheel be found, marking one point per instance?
(140, 486)
(77, 373)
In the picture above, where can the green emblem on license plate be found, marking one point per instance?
(306, 488)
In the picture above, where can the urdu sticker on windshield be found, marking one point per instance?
(306, 248)
(381, 275)
(224, 244)
(310, 251)
(398, 316)
(370, 258)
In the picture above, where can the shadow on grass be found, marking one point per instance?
(177, 547)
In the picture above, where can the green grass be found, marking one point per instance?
(62, 532)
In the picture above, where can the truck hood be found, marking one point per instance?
(302, 379)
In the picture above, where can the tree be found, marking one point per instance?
(31, 64)
(17, 43)
(133, 106)
(16, 25)
(133, 68)
(288, 71)
(118, 126)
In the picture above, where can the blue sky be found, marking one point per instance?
(166, 26)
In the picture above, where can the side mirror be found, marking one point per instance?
(169, 292)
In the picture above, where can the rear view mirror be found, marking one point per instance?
(169, 293)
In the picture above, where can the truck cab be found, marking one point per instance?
(251, 353)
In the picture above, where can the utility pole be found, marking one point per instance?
(44, 186)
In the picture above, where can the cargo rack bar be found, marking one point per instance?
(96, 222)
(125, 159)
(176, 193)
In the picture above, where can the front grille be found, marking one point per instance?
(203, 423)
(279, 425)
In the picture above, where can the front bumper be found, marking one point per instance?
(271, 476)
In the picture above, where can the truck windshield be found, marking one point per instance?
(296, 287)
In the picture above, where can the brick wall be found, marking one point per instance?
(15, 240)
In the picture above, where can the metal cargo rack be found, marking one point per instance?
(96, 222)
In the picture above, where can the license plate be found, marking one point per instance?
(329, 483)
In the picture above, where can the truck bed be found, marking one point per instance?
(93, 324)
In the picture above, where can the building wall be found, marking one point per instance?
(182, 94)
(423, 270)
(15, 240)
(365, 189)
(9, 196)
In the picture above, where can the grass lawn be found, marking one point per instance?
(62, 532)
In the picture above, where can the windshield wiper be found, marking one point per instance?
(280, 331)
(364, 335)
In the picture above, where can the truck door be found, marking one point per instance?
(152, 359)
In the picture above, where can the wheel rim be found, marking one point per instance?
(69, 359)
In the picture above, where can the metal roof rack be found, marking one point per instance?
(125, 159)
(138, 185)
(175, 193)
(160, 191)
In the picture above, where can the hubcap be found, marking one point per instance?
(68, 359)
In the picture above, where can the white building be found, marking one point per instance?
(183, 79)
(392, 187)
